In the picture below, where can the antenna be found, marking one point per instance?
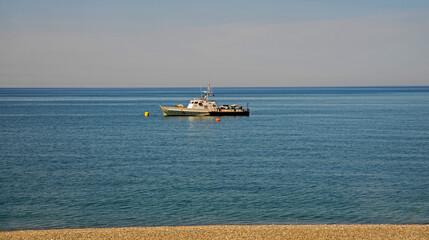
(208, 92)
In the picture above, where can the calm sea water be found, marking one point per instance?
(72, 158)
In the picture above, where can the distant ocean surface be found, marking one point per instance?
(75, 158)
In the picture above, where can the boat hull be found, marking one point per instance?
(183, 112)
(229, 113)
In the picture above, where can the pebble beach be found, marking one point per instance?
(232, 232)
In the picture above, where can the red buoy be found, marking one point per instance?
(217, 119)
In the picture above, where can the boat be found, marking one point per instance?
(203, 106)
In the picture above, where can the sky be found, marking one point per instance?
(229, 43)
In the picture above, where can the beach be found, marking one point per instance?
(232, 232)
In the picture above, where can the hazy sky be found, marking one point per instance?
(181, 43)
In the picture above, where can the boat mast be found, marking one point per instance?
(207, 93)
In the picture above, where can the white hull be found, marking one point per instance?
(175, 111)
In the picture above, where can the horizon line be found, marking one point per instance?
(356, 86)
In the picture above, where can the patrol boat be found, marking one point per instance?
(203, 106)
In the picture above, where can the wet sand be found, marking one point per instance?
(232, 232)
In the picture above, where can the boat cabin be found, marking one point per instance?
(198, 103)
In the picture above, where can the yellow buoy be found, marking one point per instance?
(146, 114)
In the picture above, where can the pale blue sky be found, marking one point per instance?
(228, 43)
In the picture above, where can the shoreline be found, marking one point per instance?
(382, 231)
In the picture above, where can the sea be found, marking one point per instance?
(89, 158)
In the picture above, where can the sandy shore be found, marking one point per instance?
(232, 232)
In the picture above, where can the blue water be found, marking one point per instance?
(72, 158)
